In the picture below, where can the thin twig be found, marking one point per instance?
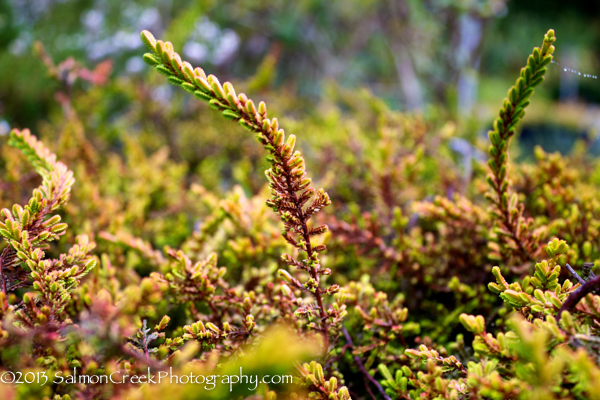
(575, 297)
(362, 367)
(368, 388)
(575, 274)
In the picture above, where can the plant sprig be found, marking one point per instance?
(289, 183)
(515, 232)
(29, 229)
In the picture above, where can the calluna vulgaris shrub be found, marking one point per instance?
(381, 290)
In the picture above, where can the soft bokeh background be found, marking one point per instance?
(458, 56)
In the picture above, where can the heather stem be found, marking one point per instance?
(309, 252)
(287, 177)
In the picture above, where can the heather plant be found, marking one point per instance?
(443, 278)
(28, 230)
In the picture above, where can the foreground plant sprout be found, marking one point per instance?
(488, 294)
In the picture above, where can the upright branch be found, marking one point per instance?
(29, 221)
(28, 231)
(516, 238)
(289, 183)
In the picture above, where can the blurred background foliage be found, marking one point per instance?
(414, 54)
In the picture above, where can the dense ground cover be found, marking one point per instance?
(419, 272)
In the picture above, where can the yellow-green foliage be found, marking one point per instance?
(414, 276)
